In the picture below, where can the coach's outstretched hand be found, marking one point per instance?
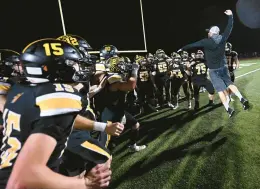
(114, 129)
(99, 176)
(228, 12)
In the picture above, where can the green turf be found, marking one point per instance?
(204, 150)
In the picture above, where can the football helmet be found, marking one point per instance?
(119, 65)
(76, 41)
(108, 51)
(149, 57)
(52, 60)
(160, 54)
(9, 63)
(199, 55)
(176, 59)
(228, 47)
(185, 55)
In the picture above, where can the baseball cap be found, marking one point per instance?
(213, 29)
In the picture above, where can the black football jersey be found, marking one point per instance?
(108, 98)
(177, 71)
(161, 67)
(199, 69)
(185, 61)
(144, 73)
(44, 108)
(231, 56)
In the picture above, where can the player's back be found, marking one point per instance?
(30, 110)
(199, 69)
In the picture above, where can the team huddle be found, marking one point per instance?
(63, 108)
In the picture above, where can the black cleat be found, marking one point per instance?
(197, 105)
(245, 103)
(230, 112)
(211, 103)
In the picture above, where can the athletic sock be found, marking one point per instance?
(238, 94)
(226, 105)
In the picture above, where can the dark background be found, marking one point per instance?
(170, 24)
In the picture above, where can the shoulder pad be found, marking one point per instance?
(113, 78)
(57, 99)
(100, 67)
(4, 87)
(234, 53)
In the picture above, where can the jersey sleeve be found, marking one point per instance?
(4, 87)
(114, 78)
(58, 99)
(55, 126)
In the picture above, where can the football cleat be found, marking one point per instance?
(135, 148)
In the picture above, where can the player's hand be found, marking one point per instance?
(228, 12)
(114, 129)
(179, 50)
(99, 176)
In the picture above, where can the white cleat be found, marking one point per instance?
(135, 148)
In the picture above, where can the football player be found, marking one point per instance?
(9, 68)
(112, 98)
(44, 109)
(186, 61)
(145, 83)
(199, 71)
(178, 74)
(83, 151)
(233, 64)
(162, 80)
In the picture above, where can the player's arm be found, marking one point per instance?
(30, 170)
(2, 102)
(82, 123)
(97, 88)
(129, 85)
(237, 62)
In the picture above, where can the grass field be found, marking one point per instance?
(204, 150)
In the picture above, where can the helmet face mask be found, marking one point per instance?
(10, 64)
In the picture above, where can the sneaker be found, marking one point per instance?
(170, 105)
(197, 105)
(189, 104)
(135, 148)
(230, 112)
(175, 106)
(245, 104)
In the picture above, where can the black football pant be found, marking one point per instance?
(190, 84)
(206, 83)
(163, 83)
(145, 92)
(175, 89)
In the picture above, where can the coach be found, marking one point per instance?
(214, 48)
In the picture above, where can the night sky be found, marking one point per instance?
(170, 24)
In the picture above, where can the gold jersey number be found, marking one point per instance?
(144, 76)
(12, 122)
(176, 73)
(201, 69)
(162, 67)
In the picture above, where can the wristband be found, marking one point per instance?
(99, 126)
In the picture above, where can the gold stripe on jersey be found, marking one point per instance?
(58, 103)
(4, 88)
(95, 148)
(114, 78)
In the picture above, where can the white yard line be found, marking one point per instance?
(247, 73)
